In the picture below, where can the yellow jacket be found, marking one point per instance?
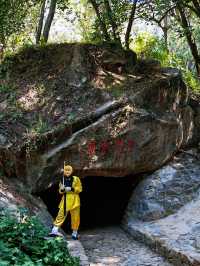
(72, 197)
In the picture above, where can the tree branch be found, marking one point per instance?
(130, 24)
(101, 22)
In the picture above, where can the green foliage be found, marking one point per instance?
(22, 242)
(8, 92)
(149, 46)
(4, 67)
(192, 81)
(85, 21)
(5, 88)
(143, 44)
(120, 11)
(63, 4)
(15, 42)
(41, 126)
(71, 117)
(12, 17)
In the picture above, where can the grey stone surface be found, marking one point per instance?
(176, 237)
(194, 102)
(112, 246)
(167, 189)
(76, 249)
(13, 195)
(164, 210)
(3, 140)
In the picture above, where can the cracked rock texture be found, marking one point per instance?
(119, 122)
(112, 246)
(167, 189)
(166, 216)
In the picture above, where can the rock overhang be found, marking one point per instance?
(134, 130)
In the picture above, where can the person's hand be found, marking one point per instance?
(62, 188)
(68, 189)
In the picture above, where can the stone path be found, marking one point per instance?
(177, 236)
(76, 249)
(112, 246)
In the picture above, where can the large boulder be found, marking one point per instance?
(104, 122)
(15, 198)
(168, 189)
(136, 134)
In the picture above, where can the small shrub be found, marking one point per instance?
(5, 66)
(40, 127)
(5, 88)
(22, 242)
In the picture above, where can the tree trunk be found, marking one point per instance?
(165, 34)
(101, 22)
(190, 40)
(130, 24)
(1, 52)
(112, 22)
(165, 31)
(40, 23)
(49, 20)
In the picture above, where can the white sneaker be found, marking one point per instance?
(54, 231)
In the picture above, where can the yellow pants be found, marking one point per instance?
(75, 218)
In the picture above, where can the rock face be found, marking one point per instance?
(139, 122)
(111, 246)
(164, 210)
(195, 104)
(106, 115)
(13, 195)
(167, 189)
(128, 136)
(176, 237)
(120, 142)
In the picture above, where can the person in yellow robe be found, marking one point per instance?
(70, 187)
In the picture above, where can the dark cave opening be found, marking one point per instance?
(103, 200)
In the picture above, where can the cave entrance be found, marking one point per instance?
(103, 200)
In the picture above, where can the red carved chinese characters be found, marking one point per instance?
(91, 148)
(104, 147)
